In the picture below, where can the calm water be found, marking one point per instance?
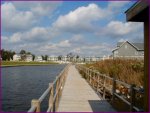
(22, 84)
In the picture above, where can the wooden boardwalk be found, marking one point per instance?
(78, 96)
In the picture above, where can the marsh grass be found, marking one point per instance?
(127, 70)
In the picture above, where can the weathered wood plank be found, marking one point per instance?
(78, 96)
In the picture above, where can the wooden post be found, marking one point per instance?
(36, 103)
(132, 94)
(97, 83)
(104, 88)
(113, 89)
(90, 77)
(51, 98)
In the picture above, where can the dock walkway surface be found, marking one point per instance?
(78, 96)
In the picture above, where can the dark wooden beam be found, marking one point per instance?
(139, 12)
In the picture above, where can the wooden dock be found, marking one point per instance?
(78, 96)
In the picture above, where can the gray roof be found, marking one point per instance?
(139, 46)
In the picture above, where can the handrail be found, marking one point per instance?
(98, 82)
(54, 94)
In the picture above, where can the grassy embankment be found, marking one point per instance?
(129, 71)
(22, 63)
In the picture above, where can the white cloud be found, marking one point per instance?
(71, 27)
(80, 19)
(44, 9)
(12, 19)
(16, 38)
(118, 29)
(64, 43)
(39, 8)
(37, 34)
(34, 35)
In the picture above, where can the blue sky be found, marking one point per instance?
(57, 28)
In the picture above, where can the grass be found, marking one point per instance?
(129, 71)
(22, 63)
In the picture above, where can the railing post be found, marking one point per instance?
(104, 88)
(113, 89)
(36, 103)
(97, 82)
(132, 93)
(51, 98)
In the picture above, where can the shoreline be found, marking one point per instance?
(17, 64)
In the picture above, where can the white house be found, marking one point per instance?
(64, 58)
(52, 58)
(38, 59)
(17, 57)
(29, 58)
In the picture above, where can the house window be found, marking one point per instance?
(136, 53)
(126, 46)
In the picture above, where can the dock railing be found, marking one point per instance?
(54, 91)
(117, 90)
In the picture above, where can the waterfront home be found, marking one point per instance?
(16, 57)
(87, 59)
(95, 59)
(52, 58)
(64, 58)
(106, 57)
(129, 50)
(29, 58)
(38, 59)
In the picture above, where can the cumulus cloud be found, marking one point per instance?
(121, 28)
(71, 28)
(39, 8)
(34, 35)
(13, 20)
(18, 16)
(80, 19)
(37, 34)
(118, 29)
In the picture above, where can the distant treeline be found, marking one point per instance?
(7, 54)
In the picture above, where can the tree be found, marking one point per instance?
(33, 57)
(46, 56)
(43, 57)
(22, 52)
(28, 53)
(6, 54)
(60, 57)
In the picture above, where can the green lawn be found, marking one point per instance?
(22, 63)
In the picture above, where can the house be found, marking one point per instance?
(52, 58)
(64, 58)
(129, 50)
(88, 59)
(16, 57)
(38, 59)
(29, 58)
(95, 59)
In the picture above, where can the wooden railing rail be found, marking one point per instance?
(107, 85)
(54, 91)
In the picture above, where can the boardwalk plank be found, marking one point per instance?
(78, 96)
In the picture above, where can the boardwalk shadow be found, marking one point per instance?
(100, 106)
